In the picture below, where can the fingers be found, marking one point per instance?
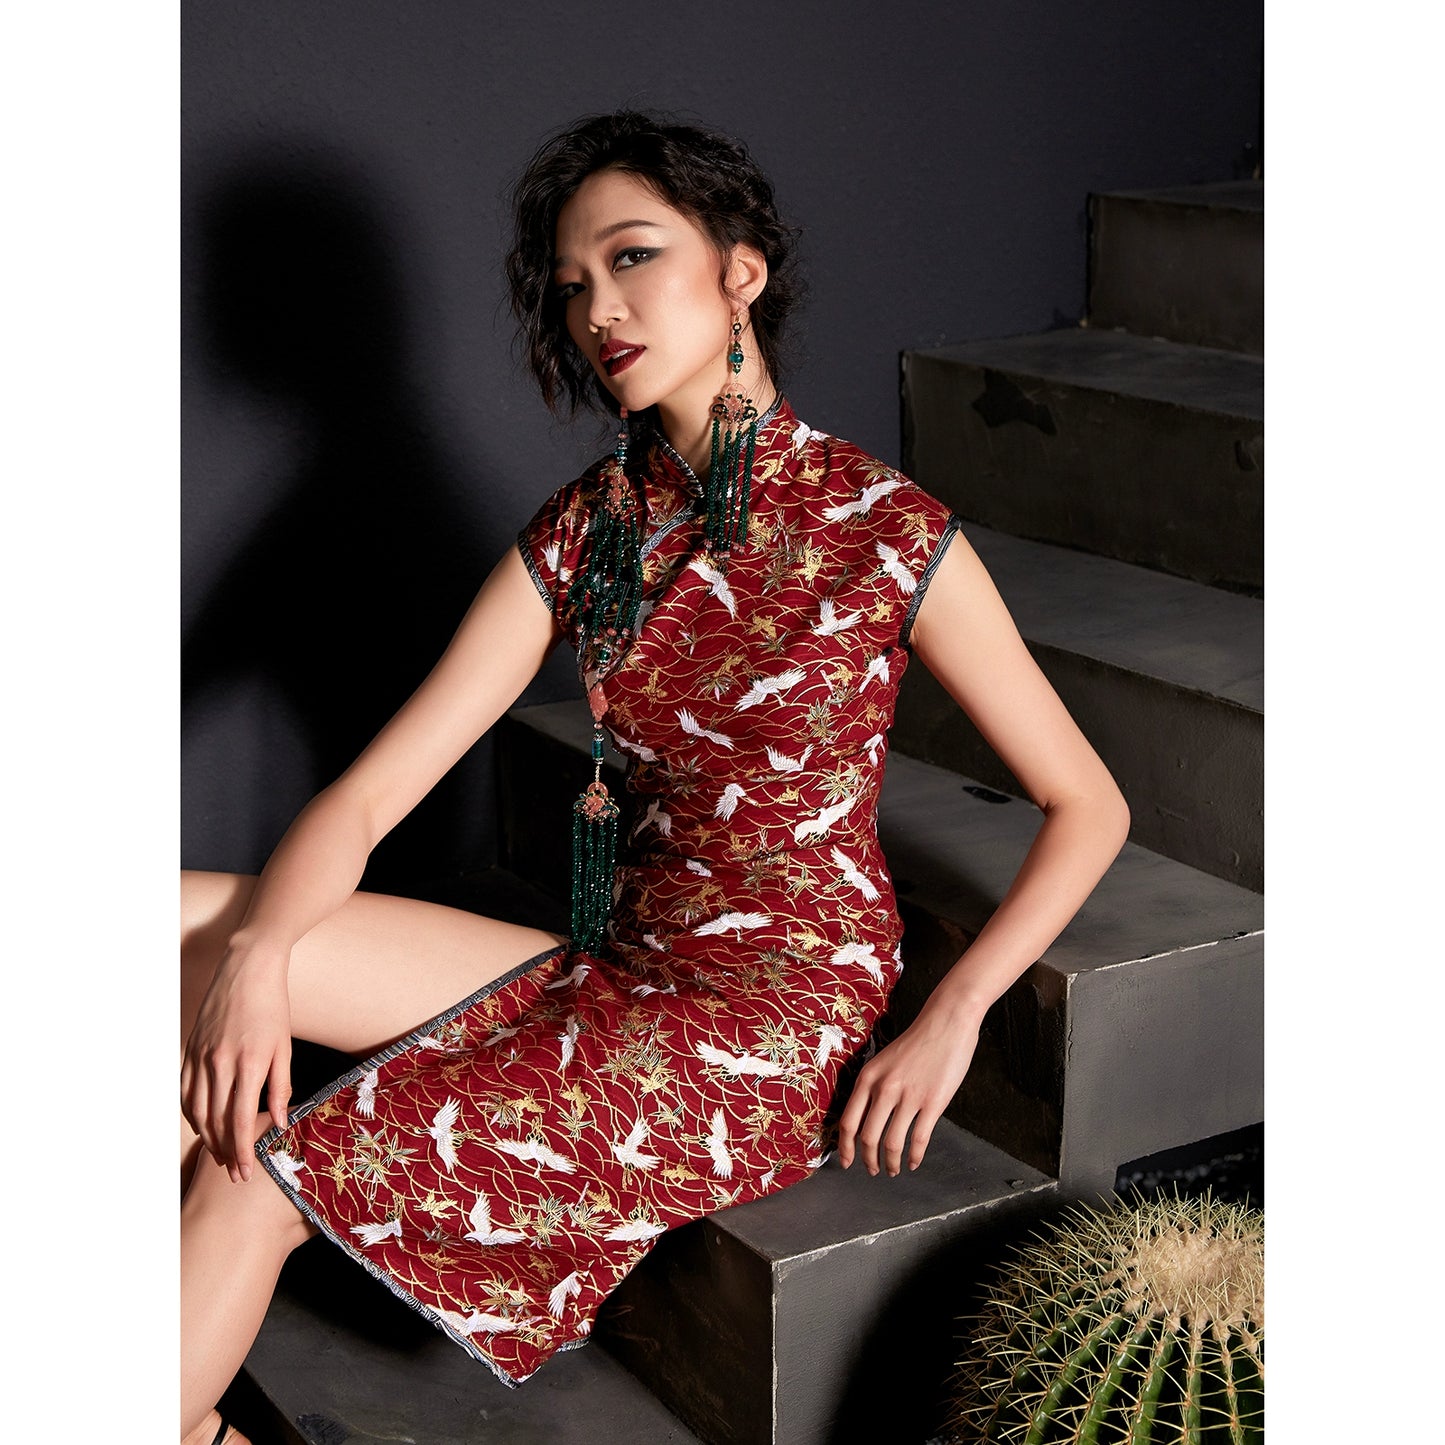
(881, 1135)
(278, 1087)
(195, 1099)
(875, 1126)
(223, 1111)
(240, 1123)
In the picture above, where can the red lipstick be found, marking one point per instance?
(617, 355)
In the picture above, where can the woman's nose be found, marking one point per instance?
(604, 305)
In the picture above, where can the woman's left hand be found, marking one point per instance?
(907, 1083)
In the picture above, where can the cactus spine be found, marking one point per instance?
(1125, 1326)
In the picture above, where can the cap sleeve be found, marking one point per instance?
(916, 530)
(551, 543)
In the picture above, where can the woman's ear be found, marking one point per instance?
(746, 275)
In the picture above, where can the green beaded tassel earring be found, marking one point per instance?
(730, 471)
(610, 588)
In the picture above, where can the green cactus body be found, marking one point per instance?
(1127, 1326)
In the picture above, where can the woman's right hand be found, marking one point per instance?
(241, 1043)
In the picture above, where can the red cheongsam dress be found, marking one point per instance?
(505, 1165)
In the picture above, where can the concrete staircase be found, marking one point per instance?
(1112, 482)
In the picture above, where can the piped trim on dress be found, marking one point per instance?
(526, 551)
(954, 524)
(675, 457)
(353, 1076)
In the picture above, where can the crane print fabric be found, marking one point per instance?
(503, 1167)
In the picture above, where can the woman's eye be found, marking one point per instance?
(632, 256)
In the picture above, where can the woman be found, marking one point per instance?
(744, 594)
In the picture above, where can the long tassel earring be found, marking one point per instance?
(610, 591)
(730, 472)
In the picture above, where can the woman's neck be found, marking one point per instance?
(688, 425)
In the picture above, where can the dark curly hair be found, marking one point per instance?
(710, 179)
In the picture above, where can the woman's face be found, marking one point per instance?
(642, 295)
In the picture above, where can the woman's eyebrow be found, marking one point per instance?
(612, 230)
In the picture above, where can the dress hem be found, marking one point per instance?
(275, 1133)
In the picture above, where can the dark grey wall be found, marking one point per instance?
(357, 445)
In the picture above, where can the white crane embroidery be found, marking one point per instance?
(907, 582)
(784, 764)
(820, 822)
(691, 725)
(629, 1150)
(766, 687)
(830, 1041)
(829, 622)
(366, 1093)
(717, 1145)
(736, 921)
(655, 817)
(477, 1322)
(727, 804)
(636, 1229)
(374, 1233)
(568, 1039)
(483, 1231)
(578, 973)
(861, 953)
(443, 1132)
(569, 1288)
(852, 875)
(538, 1153)
(718, 583)
(864, 503)
(736, 1065)
(645, 753)
(803, 434)
(877, 668)
(496, 1037)
(287, 1167)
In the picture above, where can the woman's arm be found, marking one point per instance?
(966, 638)
(241, 1041)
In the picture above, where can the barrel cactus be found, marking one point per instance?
(1123, 1326)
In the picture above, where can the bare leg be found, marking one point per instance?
(369, 974)
(372, 972)
(234, 1240)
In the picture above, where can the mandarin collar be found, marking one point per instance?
(775, 430)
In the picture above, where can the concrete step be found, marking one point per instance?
(770, 1322)
(826, 1314)
(340, 1358)
(1166, 678)
(1139, 1030)
(1147, 451)
(1185, 263)
(1141, 1027)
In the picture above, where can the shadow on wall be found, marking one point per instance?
(343, 596)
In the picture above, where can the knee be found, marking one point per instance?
(212, 906)
(213, 901)
(257, 1208)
